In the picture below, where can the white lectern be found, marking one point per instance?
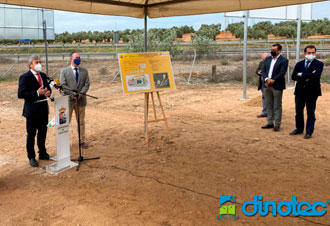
(62, 127)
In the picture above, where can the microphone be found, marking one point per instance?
(55, 83)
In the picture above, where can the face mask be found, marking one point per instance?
(38, 67)
(76, 61)
(273, 53)
(310, 57)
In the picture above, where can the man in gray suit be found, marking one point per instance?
(76, 78)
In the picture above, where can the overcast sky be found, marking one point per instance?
(74, 22)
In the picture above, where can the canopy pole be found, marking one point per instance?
(146, 95)
(146, 27)
(44, 28)
(246, 21)
(298, 33)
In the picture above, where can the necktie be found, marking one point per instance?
(39, 79)
(77, 74)
(307, 64)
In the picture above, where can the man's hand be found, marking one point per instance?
(47, 94)
(79, 97)
(259, 73)
(269, 82)
(42, 90)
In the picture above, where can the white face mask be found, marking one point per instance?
(38, 67)
(310, 57)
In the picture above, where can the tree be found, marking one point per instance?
(202, 44)
(209, 31)
(236, 29)
(180, 31)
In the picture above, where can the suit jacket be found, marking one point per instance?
(27, 90)
(309, 82)
(261, 63)
(68, 82)
(279, 71)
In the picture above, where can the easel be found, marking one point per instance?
(146, 114)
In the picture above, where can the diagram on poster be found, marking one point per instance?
(146, 72)
(138, 82)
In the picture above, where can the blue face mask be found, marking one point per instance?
(76, 61)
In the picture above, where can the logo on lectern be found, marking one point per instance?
(62, 115)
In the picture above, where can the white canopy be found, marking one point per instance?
(155, 8)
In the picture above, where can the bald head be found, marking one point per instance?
(264, 55)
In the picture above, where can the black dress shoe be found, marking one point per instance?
(33, 162)
(44, 156)
(261, 116)
(267, 126)
(308, 136)
(296, 132)
(276, 128)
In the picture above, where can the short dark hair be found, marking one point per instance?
(309, 47)
(279, 47)
(73, 52)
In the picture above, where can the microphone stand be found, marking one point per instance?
(76, 95)
(81, 158)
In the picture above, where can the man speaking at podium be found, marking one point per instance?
(34, 89)
(75, 83)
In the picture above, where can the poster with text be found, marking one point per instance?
(146, 72)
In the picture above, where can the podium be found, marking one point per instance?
(62, 127)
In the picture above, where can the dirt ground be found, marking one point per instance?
(217, 148)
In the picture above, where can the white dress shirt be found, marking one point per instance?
(36, 76)
(74, 71)
(272, 64)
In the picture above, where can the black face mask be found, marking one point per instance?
(273, 53)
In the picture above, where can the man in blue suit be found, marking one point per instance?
(273, 73)
(34, 89)
(307, 73)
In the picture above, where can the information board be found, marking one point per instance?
(146, 72)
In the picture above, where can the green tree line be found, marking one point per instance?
(287, 29)
(261, 30)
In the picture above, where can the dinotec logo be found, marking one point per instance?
(227, 211)
(259, 206)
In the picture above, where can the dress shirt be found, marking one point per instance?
(272, 64)
(36, 76)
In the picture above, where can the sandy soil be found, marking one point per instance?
(217, 148)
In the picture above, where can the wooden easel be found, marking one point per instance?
(146, 114)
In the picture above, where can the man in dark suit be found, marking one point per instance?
(261, 86)
(34, 89)
(273, 74)
(307, 73)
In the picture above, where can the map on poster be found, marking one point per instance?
(146, 72)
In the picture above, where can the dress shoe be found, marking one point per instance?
(33, 162)
(84, 145)
(296, 132)
(267, 126)
(261, 116)
(44, 156)
(308, 136)
(276, 128)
